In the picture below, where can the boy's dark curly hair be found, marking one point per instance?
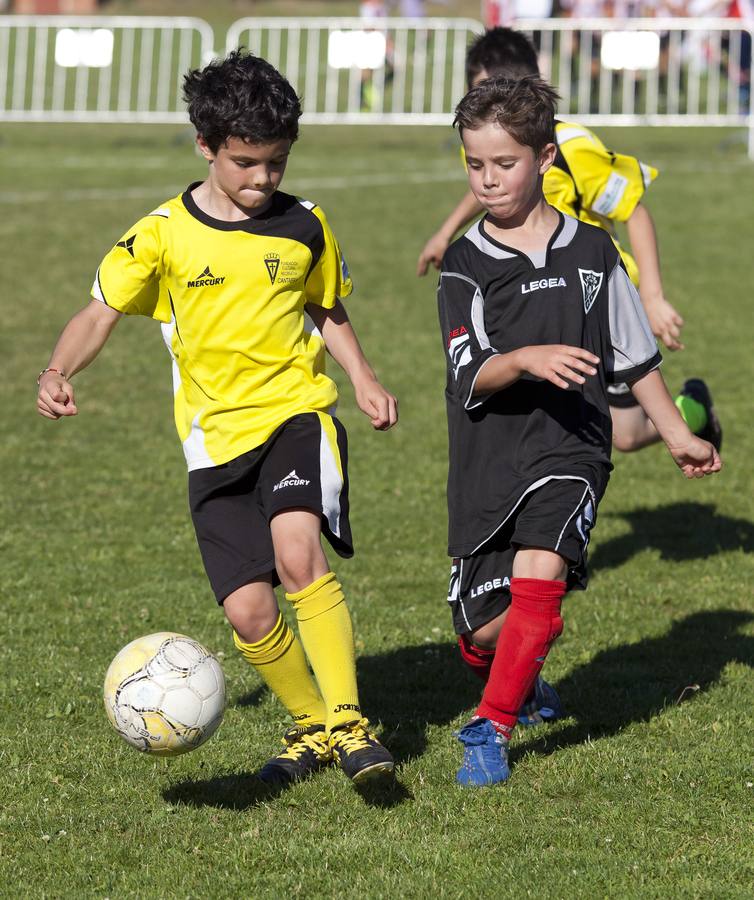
(525, 108)
(501, 51)
(241, 96)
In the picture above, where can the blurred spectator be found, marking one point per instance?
(372, 9)
(506, 12)
(411, 9)
(584, 9)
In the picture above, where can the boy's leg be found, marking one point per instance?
(321, 612)
(530, 628)
(327, 635)
(633, 429)
(266, 641)
(550, 534)
(236, 547)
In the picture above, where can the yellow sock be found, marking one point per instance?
(326, 633)
(279, 659)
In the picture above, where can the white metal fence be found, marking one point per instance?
(350, 70)
(648, 71)
(97, 68)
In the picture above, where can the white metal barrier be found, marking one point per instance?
(649, 71)
(98, 68)
(351, 70)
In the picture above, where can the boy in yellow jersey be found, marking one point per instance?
(593, 184)
(247, 283)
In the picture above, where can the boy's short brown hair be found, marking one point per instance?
(524, 107)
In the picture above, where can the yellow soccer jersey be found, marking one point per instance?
(231, 298)
(589, 182)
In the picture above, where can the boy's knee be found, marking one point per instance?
(626, 442)
(485, 637)
(252, 625)
(299, 567)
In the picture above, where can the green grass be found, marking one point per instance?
(636, 795)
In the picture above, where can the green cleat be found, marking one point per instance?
(697, 390)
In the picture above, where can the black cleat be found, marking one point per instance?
(698, 390)
(359, 753)
(306, 752)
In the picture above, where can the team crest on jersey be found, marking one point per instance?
(127, 244)
(272, 263)
(283, 271)
(591, 282)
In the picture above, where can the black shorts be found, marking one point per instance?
(304, 463)
(620, 396)
(557, 516)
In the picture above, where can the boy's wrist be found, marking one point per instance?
(47, 371)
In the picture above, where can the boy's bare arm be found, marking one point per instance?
(466, 211)
(79, 343)
(693, 456)
(557, 363)
(663, 317)
(343, 345)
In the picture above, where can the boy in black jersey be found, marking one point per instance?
(601, 187)
(538, 316)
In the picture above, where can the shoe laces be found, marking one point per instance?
(355, 736)
(296, 748)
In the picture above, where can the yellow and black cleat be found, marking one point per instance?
(306, 752)
(358, 752)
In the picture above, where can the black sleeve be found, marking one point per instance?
(467, 347)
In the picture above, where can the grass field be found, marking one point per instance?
(636, 795)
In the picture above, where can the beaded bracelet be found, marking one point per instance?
(50, 369)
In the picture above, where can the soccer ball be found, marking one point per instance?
(165, 694)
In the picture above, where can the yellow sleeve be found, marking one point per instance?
(329, 279)
(128, 278)
(608, 184)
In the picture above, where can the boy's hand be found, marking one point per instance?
(665, 320)
(374, 401)
(433, 252)
(558, 363)
(696, 458)
(55, 397)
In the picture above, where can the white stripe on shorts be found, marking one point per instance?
(331, 481)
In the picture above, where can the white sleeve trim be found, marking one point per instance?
(479, 400)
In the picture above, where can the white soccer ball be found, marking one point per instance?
(165, 694)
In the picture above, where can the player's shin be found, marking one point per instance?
(532, 625)
(280, 661)
(327, 635)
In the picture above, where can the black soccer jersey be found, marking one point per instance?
(494, 299)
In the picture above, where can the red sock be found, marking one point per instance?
(530, 628)
(478, 659)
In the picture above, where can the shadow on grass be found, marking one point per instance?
(634, 682)
(243, 790)
(239, 791)
(679, 531)
(406, 690)
(411, 688)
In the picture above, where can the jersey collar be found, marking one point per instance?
(253, 225)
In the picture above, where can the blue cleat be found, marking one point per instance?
(544, 706)
(485, 755)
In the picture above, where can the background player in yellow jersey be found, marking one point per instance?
(239, 274)
(600, 187)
